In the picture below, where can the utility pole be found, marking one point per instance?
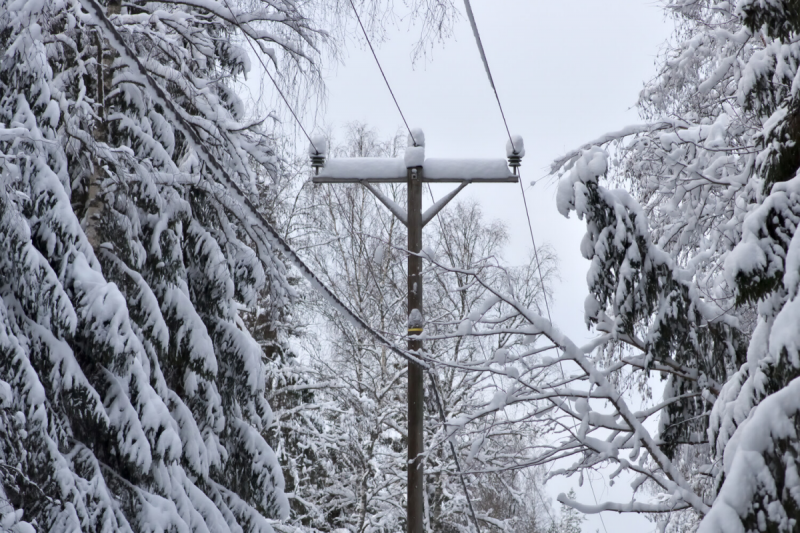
(414, 170)
(415, 509)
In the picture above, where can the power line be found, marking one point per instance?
(274, 82)
(471, 17)
(385, 79)
(482, 52)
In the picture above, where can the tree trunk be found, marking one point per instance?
(94, 201)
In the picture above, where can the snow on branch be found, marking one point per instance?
(536, 384)
(227, 190)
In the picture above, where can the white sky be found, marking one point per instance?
(567, 71)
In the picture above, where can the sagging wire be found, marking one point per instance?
(482, 52)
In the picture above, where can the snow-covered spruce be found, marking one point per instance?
(132, 397)
(713, 202)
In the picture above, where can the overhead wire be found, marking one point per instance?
(385, 79)
(471, 17)
(479, 43)
(330, 293)
(274, 81)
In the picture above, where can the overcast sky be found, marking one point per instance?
(567, 71)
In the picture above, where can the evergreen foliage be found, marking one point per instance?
(132, 396)
(696, 271)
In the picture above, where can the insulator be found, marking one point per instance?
(317, 162)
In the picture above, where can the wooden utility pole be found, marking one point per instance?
(414, 170)
(415, 509)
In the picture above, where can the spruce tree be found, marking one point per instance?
(132, 396)
(695, 267)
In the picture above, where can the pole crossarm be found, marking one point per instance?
(394, 170)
